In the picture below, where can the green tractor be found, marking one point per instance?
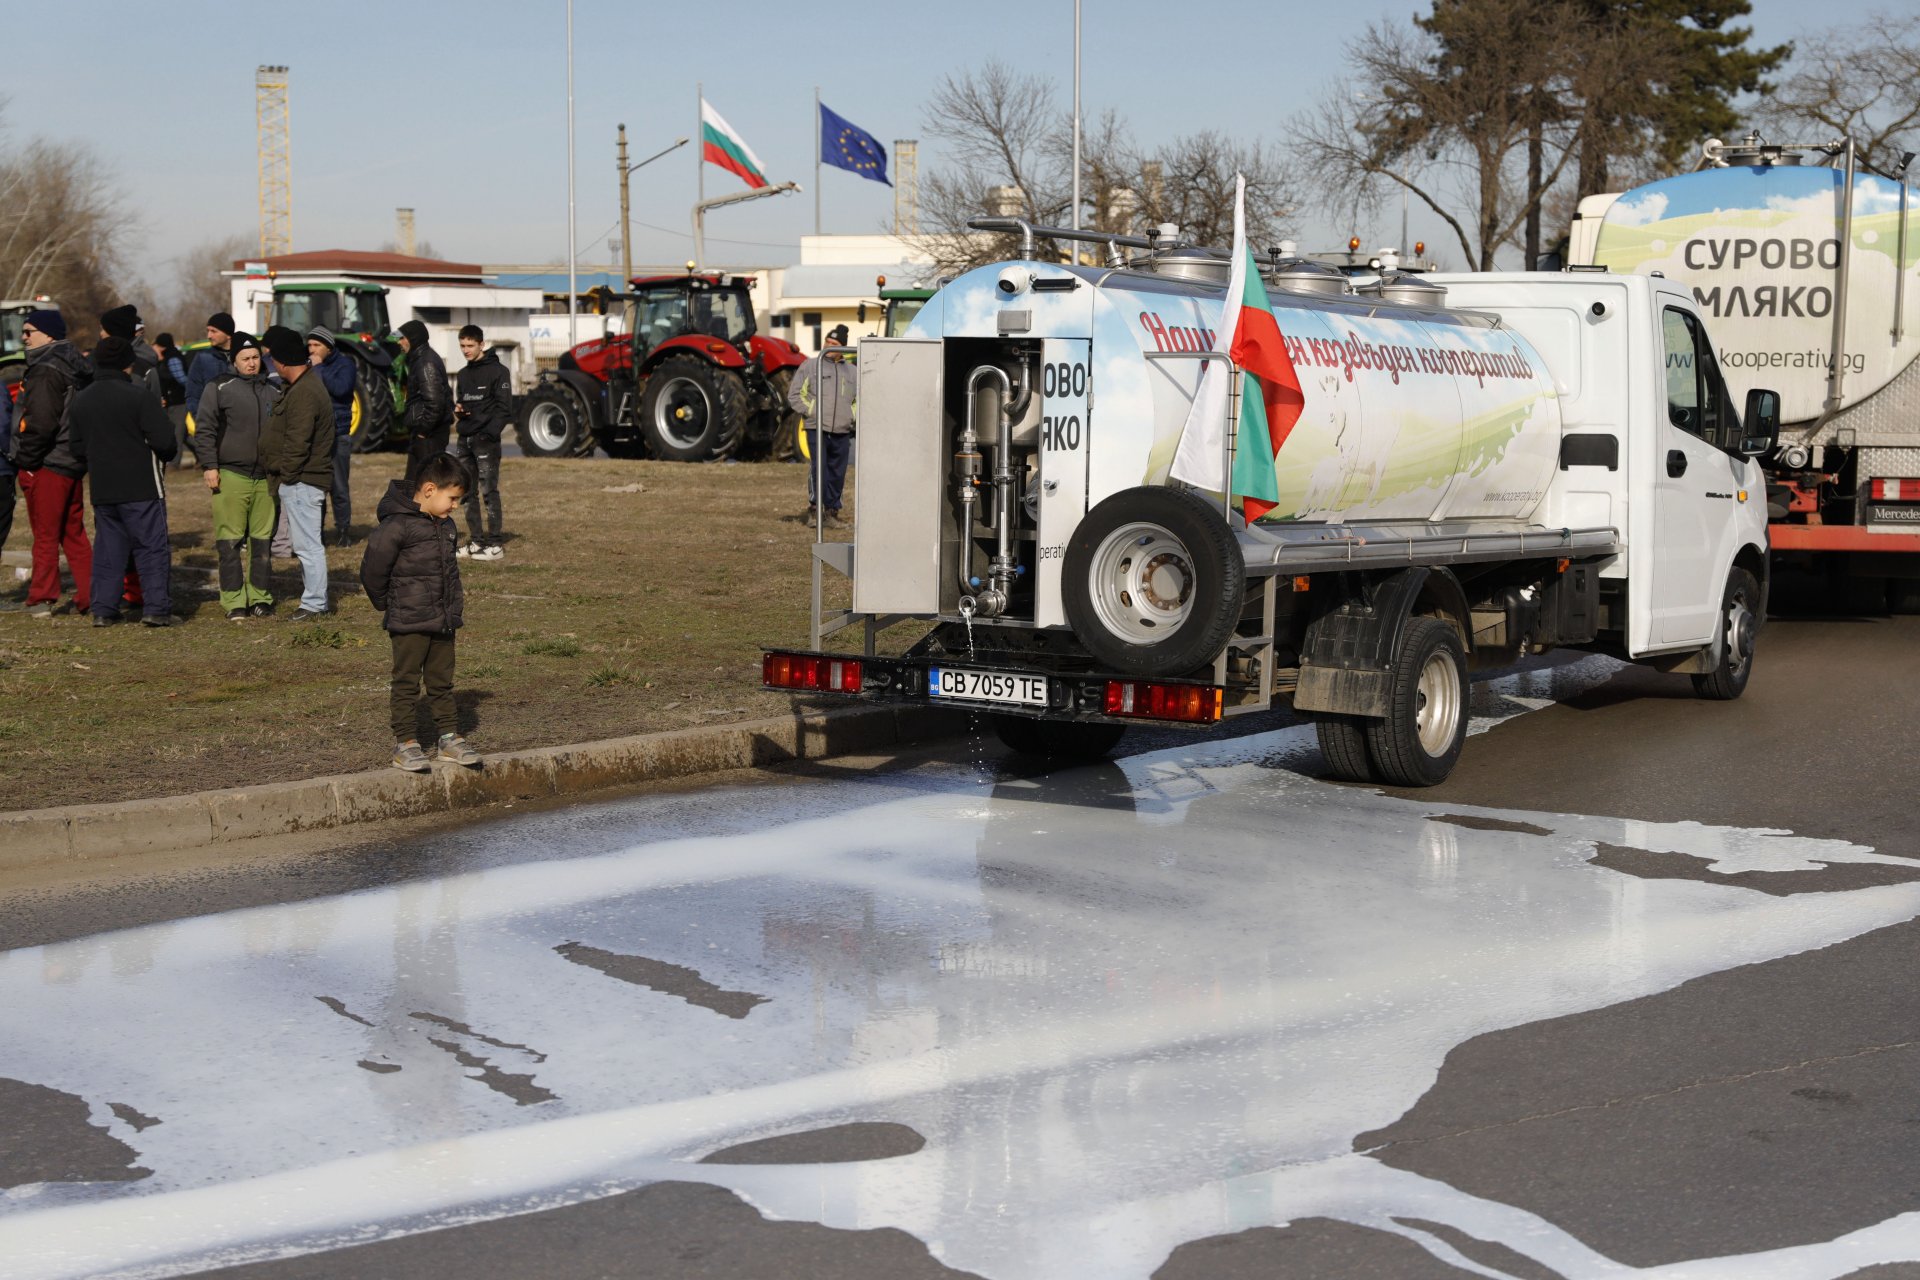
(902, 306)
(356, 313)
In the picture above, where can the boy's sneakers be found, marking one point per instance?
(454, 750)
(487, 553)
(410, 757)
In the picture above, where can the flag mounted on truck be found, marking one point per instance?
(1270, 396)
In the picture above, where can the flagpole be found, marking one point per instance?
(699, 133)
(1076, 121)
(573, 261)
(816, 159)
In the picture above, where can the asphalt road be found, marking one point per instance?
(1633, 993)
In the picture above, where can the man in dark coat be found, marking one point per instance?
(214, 361)
(482, 408)
(50, 476)
(429, 406)
(412, 576)
(336, 371)
(121, 435)
(170, 380)
(297, 449)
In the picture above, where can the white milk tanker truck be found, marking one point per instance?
(1484, 466)
(1809, 273)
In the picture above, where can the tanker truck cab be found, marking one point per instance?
(1652, 444)
(1469, 469)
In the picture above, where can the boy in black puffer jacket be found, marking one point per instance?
(411, 575)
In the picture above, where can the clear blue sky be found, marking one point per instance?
(459, 110)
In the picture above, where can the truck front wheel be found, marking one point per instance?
(1418, 742)
(1740, 621)
(1057, 739)
(1153, 581)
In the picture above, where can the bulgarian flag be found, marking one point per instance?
(722, 146)
(1270, 398)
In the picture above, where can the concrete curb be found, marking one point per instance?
(167, 823)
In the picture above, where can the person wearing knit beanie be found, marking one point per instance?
(288, 348)
(296, 449)
(120, 322)
(223, 322)
(113, 352)
(49, 322)
(213, 362)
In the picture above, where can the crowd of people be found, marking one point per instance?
(272, 419)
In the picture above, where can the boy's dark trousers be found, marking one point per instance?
(481, 454)
(135, 531)
(428, 657)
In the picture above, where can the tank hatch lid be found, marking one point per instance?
(1406, 288)
(1303, 275)
(1183, 262)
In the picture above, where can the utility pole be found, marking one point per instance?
(626, 222)
(273, 123)
(626, 226)
(573, 263)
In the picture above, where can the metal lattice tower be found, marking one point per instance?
(906, 186)
(403, 221)
(276, 160)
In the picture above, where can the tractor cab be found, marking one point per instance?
(346, 308)
(662, 308)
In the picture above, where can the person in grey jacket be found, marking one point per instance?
(234, 409)
(825, 392)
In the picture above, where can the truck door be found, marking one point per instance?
(1691, 479)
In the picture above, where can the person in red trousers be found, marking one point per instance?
(50, 474)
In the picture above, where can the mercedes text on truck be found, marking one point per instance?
(1807, 269)
(1484, 466)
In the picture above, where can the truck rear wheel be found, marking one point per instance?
(1153, 581)
(692, 411)
(1418, 741)
(1057, 739)
(1343, 741)
(1740, 621)
(551, 422)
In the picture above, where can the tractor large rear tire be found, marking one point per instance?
(551, 422)
(373, 408)
(693, 411)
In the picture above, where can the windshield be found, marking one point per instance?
(659, 314)
(302, 312)
(11, 323)
(900, 314)
(364, 312)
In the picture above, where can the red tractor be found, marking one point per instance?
(687, 380)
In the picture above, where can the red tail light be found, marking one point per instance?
(1151, 700)
(810, 672)
(1896, 490)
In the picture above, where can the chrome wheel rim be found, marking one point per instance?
(1436, 703)
(1740, 634)
(682, 411)
(1142, 582)
(547, 425)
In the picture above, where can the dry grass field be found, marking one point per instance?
(616, 611)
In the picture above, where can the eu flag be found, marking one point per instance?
(845, 145)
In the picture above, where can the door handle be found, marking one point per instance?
(1676, 462)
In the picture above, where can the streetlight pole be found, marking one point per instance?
(626, 227)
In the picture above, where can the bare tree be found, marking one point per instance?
(1010, 152)
(1862, 82)
(63, 231)
(197, 289)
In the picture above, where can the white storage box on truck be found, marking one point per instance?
(1792, 255)
(1482, 467)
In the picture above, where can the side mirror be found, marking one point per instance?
(1761, 422)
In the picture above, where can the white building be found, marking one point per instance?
(837, 282)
